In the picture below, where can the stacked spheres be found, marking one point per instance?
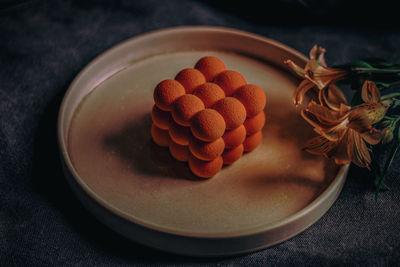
(208, 116)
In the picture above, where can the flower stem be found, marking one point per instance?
(375, 70)
(390, 96)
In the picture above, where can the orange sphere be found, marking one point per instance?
(234, 137)
(252, 97)
(160, 136)
(185, 107)
(161, 118)
(190, 79)
(230, 81)
(232, 111)
(255, 123)
(231, 155)
(206, 150)
(208, 125)
(210, 66)
(178, 152)
(179, 134)
(166, 92)
(209, 93)
(205, 169)
(252, 141)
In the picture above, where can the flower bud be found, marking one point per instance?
(387, 134)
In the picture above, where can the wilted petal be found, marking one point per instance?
(301, 90)
(324, 114)
(358, 120)
(334, 133)
(323, 76)
(370, 93)
(299, 70)
(333, 97)
(340, 153)
(363, 116)
(358, 150)
(318, 52)
(318, 145)
(372, 137)
(343, 109)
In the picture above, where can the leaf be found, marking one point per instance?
(396, 103)
(381, 63)
(378, 62)
(381, 85)
(361, 64)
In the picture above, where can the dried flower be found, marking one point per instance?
(315, 74)
(344, 131)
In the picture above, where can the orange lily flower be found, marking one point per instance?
(343, 130)
(316, 74)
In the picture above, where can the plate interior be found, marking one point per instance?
(111, 149)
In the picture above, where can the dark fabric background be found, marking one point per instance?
(43, 46)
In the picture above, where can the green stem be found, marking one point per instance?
(390, 96)
(375, 70)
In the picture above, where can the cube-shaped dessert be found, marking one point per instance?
(208, 116)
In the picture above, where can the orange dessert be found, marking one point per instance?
(209, 93)
(232, 111)
(206, 150)
(190, 79)
(208, 125)
(166, 93)
(205, 169)
(252, 141)
(231, 155)
(255, 123)
(235, 137)
(252, 97)
(160, 136)
(161, 118)
(210, 66)
(185, 107)
(208, 116)
(179, 134)
(178, 152)
(229, 81)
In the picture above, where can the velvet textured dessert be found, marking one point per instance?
(166, 93)
(179, 152)
(185, 107)
(179, 134)
(235, 137)
(160, 136)
(209, 93)
(208, 125)
(230, 81)
(231, 155)
(206, 150)
(162, 119)
(252, 97)
(255, 123)
(233, 112)
(190, 79)
(208, 116)
(210, 66)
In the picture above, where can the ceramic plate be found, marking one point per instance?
(137, 189)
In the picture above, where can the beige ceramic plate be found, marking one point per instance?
(135, 187)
